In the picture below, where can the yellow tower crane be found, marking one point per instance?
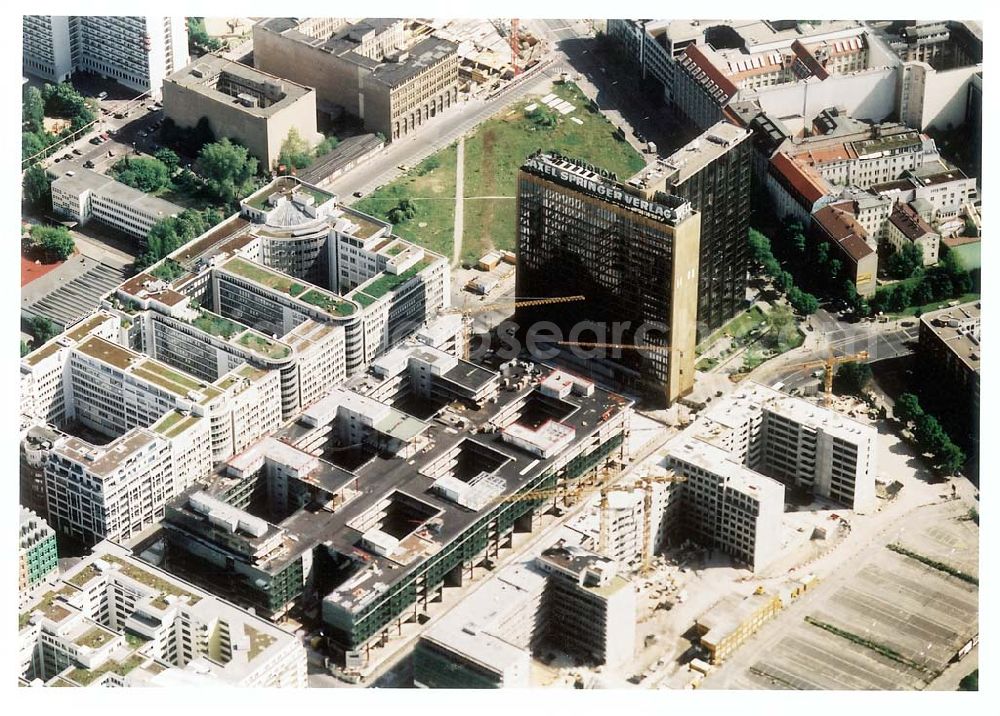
(828, 364)
(606, 488)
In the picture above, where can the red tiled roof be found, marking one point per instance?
(905, 218)
(841, 228)
(809, 187)
(713, 73)
(809, 60)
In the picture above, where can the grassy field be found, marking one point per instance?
(433, 193)
(970, 255)
(499, 146)
(493, 154)
(935, 305)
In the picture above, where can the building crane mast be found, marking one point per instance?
(828, 364)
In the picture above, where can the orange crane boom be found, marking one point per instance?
(516, 303)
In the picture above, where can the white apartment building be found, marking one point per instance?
(906, 226)
(728, 505)
(794, 440)
(135, 51)
(116, 621)
(83, 194)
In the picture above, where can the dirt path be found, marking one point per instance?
(459, 200)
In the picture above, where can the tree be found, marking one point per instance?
(295, 152)
(852, 378)
(760, 246)
(951, 458)
(169, 159)
(25, 349)
(55, 241)
(907, 408)
(31, 144)
(783, 281)
(144, 173)
(32, 109)
(905, 262)
(37, 188)
(326, 146)
(62, 100)
(834, 267)
(167, 235)
(229, 170)
(42, 329)
(969, 682)
(804, 303)
(929, 433)
(198, 37)
(799, 242)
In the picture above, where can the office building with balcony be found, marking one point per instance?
(951, 351)
(37, 555)
(137, 52)
(116, 621)
(636, 261)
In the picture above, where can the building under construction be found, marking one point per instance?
(634, 258)
(390, 489)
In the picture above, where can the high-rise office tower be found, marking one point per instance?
(713, 172)
(635, 259)
(134, 51)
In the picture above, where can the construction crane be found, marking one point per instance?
(606, 488)
(467, 313)
(828, 364)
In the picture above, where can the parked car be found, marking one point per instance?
(77, 152)
(95, 140)
(89, 164)
(67, 156)
(58, 159)
(358, 194)
(142, 132)
(102, 95)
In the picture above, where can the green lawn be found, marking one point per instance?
(736, 328)
(970, 255)
(433, 193)
(935, 305)
(493, 154)
(499, 146)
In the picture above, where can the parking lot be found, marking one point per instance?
(890, 622)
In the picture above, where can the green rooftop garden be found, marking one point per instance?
(48, 606)
(381, 285)
(328, 303)
(169, 271)
(85, 677)
(135, 641)
(161, 375)
(94, 638)
(259, 641)
(174, 423)
(396, 249)
(216, 325)
(152, 581)
(265, 276)
(363, 298)
(260, 344)
(84, 575)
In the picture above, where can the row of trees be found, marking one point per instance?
(937, 283)
(36, 188)
(146, 174)
(852, 378)
(171, 233)
(199, 41)
(297, 154)
(928, 433)
(760, 249)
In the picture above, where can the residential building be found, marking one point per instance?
(635, 260)
(37, 555)
(116, 621)
(906, 227)
(83, 194)
(712, 172)
(373, 69)
(836, 224)
(727, 505)
(590, 607)
(252, 107)
(950, 347)
(137, 52)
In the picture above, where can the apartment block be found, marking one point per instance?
(83, 194)
(135, 51)
(37, 556)
(635, 260)
(836, 224)
(374, 68)
(713, 172)
(587, 605)
(250, 106)
(726, 504)
(116, 621)
(950, 347)
(907, 228)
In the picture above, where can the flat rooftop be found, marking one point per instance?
(103, 460)
(203, 75)
(692, 157)
(719, 461)
(958, 327)
(84, 180)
